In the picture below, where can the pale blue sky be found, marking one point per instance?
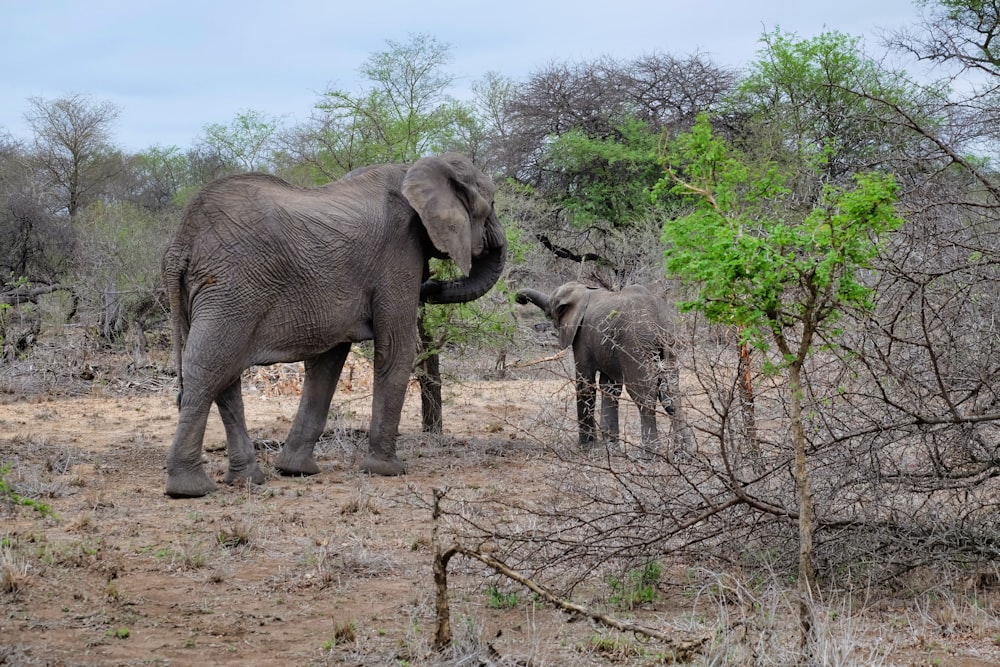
(173, 67)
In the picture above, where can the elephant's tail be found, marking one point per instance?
(174, 268)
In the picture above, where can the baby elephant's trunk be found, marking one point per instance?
(541, 300)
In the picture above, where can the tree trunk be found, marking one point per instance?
(748, 413)
(429, 379)
(806, 577)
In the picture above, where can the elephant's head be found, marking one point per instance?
(566, 306)
(454, 200)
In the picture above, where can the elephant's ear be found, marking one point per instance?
(569, 304)
(443, 193)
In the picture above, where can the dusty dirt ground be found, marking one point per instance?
(331, 569)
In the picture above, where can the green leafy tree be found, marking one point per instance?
(784, 278)
(584, 136)
(163, 178)
(246, 143)
(820, 103)
(405, 112)
(616, 173)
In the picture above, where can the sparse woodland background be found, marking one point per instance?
(899, 400)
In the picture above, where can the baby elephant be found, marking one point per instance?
(628, 337)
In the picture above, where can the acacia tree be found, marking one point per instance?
(246, 143)
(404, 112)
(783, 279)
(583, 137)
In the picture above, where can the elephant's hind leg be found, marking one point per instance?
(322, 374)
(242, 458)
(645, 396)
(611, 391)
(650, 437)
(186, 477)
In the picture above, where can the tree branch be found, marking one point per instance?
(566, 253)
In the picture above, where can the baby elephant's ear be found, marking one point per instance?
(432, 189)
(569, 304)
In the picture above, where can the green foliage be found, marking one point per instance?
(477, 322)
(517, 246)
(486, 322)
(245, 144)
(779, 272)
(9, 495)
(165, 176)
(820, 103)
(757, 262)
(404, 115)
(499, 599)
(611, 176)
(637, 587)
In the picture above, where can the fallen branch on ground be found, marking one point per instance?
(534, 362)
(683, 649)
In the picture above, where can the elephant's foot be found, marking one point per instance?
(237, 476)
(389, 467)
(298, 462)
(189, 484)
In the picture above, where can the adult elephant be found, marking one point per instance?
(627, 337)
(262, 272)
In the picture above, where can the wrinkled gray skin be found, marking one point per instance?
(627, 337)
(262, 272)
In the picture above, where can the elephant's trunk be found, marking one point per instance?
(486, 270)
(540, 299)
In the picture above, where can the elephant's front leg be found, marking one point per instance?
(391, 379)
(395, 348)
(586, 396)
(242, 458)
(322, 374)
(670, 398)
(610, 393)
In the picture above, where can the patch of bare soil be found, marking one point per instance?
(328, 569)
(331, 569)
